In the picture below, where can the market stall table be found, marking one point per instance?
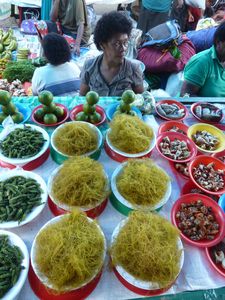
(197, 273)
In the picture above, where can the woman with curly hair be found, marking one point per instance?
(59, 76)
(111, 73)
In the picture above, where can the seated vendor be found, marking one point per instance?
(59, 76)
(204, 74)
(72, 15)
(111, 73)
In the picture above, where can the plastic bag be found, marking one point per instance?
(196, 3)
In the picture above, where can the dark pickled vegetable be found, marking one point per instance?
(11, 258)
(22, 143)
(18, 197)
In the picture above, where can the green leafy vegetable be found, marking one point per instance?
(19, 70)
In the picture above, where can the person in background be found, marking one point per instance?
(59, 76)
(72, 15)
(111, 73)
(204, 73)
(153, 13)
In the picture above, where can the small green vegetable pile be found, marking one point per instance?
(18, 197)
(22, 70)
(9, 108)
(89, 113)
(22, 143)
(11, 258)
(49, 113)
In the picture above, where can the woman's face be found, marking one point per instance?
(116, 47)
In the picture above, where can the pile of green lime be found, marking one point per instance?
(49, 113)
(9, 108)
(124, 107)
(89, 113)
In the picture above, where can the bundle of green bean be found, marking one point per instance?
(22, 143)
(11, 258)
(18, 196)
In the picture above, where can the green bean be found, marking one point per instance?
(19, 197)
(11, 259)
(22, 143)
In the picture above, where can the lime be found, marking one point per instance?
(9, 109)
(92, 97)
(39, 114)
(59, 112)
(5, 97)
(45, 97)
(49, 108)
(88, 109)
(17, 117)
(128, 96)
(50, 119)
(2, 117)
(81, 116)
(124, 107)
(95, 118)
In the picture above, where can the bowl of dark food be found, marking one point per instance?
(173, 126)
(190, 188)
(208, 174)
(207, 138)
(21, 144)
(206, 112)
(176, 147)
(216, 257)
(171, 110)
(14, 267)
(220, 156)
(199, 219)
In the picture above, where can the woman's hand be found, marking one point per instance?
(76, 49)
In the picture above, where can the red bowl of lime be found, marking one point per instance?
(98, 118)
(57, 117)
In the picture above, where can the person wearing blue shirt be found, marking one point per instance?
(154, 12)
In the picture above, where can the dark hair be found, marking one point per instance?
(219, 35)
(56, 49)
(109, 25)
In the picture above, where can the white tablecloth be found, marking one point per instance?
(196, 274)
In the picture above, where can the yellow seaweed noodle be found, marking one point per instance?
(146, 247)
(142, 182)
(80, 181)
(75, 138)
(130, 134)
(70, 252)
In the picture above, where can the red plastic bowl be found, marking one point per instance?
(176, 135)
(62, 120)
(165, 127)
(204, 159)
(79, 108)
(171, 102)
(219, 154)
(194, 105)
(217, 267)
(172, 165)
(217, 211)
(186, 189)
